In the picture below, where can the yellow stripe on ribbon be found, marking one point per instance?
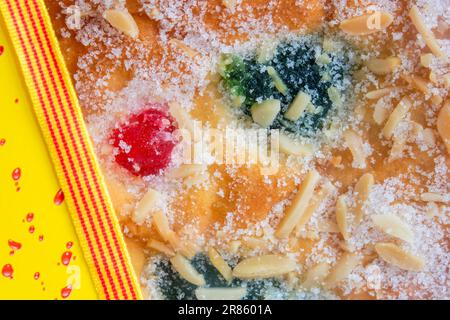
(60, 118)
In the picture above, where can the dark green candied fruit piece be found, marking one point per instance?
(173, 287)
(297, 66)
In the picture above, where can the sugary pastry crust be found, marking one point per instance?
(362, 214)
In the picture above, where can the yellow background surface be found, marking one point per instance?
(34, 192)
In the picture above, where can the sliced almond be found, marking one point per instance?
(264, 113)
(220, 264)
(443, 124)
(342, 217)
(383, 66)
(161, 247)
(367, 24)
(220, 293)
(316, 275)
(362, 190)
(342, 269)
(394, 226)
(298, 106)
(355, 143)
(145, 206)
(266, 266)
(292, 147)
(398, 257)
(427, 35)
(123, 21)
(186, 270)
(396, 117)
(298, 206)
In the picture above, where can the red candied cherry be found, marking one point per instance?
(144, 144)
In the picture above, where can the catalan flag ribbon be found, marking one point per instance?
(61, 122)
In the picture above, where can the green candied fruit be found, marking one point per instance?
(173, 287)
(299, 65)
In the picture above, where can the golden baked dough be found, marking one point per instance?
(236, 209)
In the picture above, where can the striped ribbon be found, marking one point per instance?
(60, 118)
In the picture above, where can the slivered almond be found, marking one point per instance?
(298, 206)
(342, 269)
(398, 257)
(396, 117)
(355, 143)
(278, 82)
(264, 113)
(220, 264)
(315, 276)
(420, 84)
(220, 293)
(426, 59)
(342, 217)
(367, 24)
(191, 53)
(398, 145)
(447, 80)
(162, 225)
(233, 246)
(254, 243)
(324, 192)
(443, 124)
(436, 99)
(433, 197)
(265, 266)
(183, 118)
(188, 249)
(291, 147)
(432, 77)
(123, 21)
(427, 35)
(186, 270)
(428, 137)
(229, 4)
(161, 247)
(379, 112)
(298, 106)
(379, 93)
(362, 190)
(186, 170)
(328, 226)
(394, 226)
(383, 66)
(145, 206)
